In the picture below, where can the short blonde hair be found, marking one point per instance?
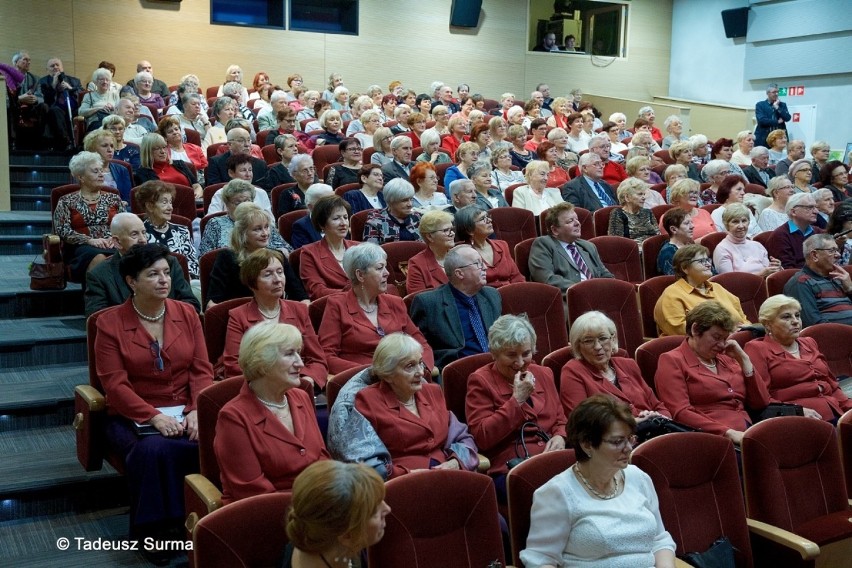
(535, 166)
(391, 351)
(679, 148)
(261, 345)
(734, 211)
(633, 164)
(591, 322)
(771, 306)
(466, 147)
(630, 186)
(672, 170)
(245, 215)
(682, 188)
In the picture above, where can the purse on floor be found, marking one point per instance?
(719, 555)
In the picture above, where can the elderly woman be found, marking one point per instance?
(820, 151)
(359, 107)
(611, 130)
(390, 417)
(481, 136)
(233, 73)
(561, 108)
(457, 127)
(169, 128)
(594, 370)
(155, 199)
(287, 147)
(340, 102)
(426, 268)
(723, 150)
(152, 362)
(777, 143)
(640, 167)
(674, 131)
(156, 165)
(549, 153)
(123, 151)
(780, 188)
(334, 80)
(267, 434)
(371, 122)
(466, 155)
(795, 370)
(700, 149)
(382, 144)
(737, 252)
(331, 123)
(309, 101)
(834, 176)
(347, 172)
(685, 194)
(426, 197)
(620, 121)
(693, 269)
(578, 140)
(601, 489)
(370, 195)
(224, 109)
(486, 197)
(800, 173)
(708, 382)
(300, 170)
(398, 221)
(193, 115)
(536, 196)
(677, 224)
(321, 264)
(474, 227)
(633, 220)
(355, 320)
(681, 153)
(102, 142)
(731, 190)
(673, 174)
(505, 395)
(745, 144)
(82, 218)
(337, 510)
(441, 116)
(565, 158)
(825, 206)
(519, 155)
(143, 83)
(101, 102)
(430, 141)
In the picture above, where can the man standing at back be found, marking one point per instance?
(771, 114)
(59, 92)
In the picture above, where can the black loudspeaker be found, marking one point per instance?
(735, 22)
(465, 13)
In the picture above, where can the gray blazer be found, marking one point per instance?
(580, 193)
(393, 170)
(550, 263)
(437, 316)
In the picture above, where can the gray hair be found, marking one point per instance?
(260, 348)
(772, 305)
(598, 140)
(742, 135)
(758, 151)
(428, 137)
(281, 140)
(771, 86)
(315, 192)
(397, 190)
(630, 186)
(435, 86)
(360, 258)
(458, 185)
(330, 113)
(510, 331)
(232, 88)
(698, 141)
(298, 160)
(671, 120)
(477, 168)
(192, 96)
(819, 145)
(821, 193)
(236, 187)
(399, 141)
(82, 161)
(370, 113)
(645, 110)
(821, 240)
(277, 95)
(734, 211)
(775, 184)
(339, 90)
(220, 105)
(616, 116)
(142, 75)
(453, 260)
(591, 322)
(714, 167)
(586, 158)
(101, 72)
(18, 56)
(398, 110)
(795, 200)
(392, 350)
(119, 222)
(465, 220)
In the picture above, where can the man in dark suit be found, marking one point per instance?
(759, 172)
(455, 318)
(771, 114)
(400, 166)
(104, 285)
(588, 190)
(59, 92)
(239, 143)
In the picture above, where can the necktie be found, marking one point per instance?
(476, 323)
(578, 260)
(603, 195)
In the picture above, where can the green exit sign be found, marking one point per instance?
(782, 92)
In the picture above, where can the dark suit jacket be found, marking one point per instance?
(217, 171)
(767, 120)
(105, 287)
(304, 233)
(359, 202)
(393, 170)
(53, 97)
(320, 271)
(580, 193)
(551, 264)
(753, 176)
(435, 313)
(256, 453)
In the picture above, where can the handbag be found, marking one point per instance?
(532, 429)
(47, 276)
(659, 425)
(775, 409)
(719, 555)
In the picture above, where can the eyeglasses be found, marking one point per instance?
(832, 250)
(621, 443)
(158, 358)
(604, 340)
(704, 261)
(806, 206)
(485, 218)
(447, 231)
(479, 264)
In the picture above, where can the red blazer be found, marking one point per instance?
(293, 313)
(557, 177)
(504, 270)
(806, 381)
(614, 173)
(320, 271)
(579, 381)
(126, 364)
(702, 399)
(451, 145)
(411, 441)
(424, 272)
(349, 339)
(256, 453)
(495, 417)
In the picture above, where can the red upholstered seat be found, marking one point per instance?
(324, 155)
(399, 253)
(513, 225)
(835, 342)
(621, 256)
(509, 193)
(270, 154)
(649, 291)
(206, 219)
(749, 288)
(357, 223)
(286, 222)
(558, 358)
(522, 256)
(601, 219)
(711, 240)
(763, 238)
(332, 387)
(216, 326)
(775, 282)
(445, 518)
(542, 303)
(844, 433)
(275, 196)
(209, 192)
(648, 355)
(205, 268)
(454, 377)
(584, 216)
(616, 299)
(650, 251)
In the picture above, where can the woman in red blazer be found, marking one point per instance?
(354, 321)
(321, 263)
(268, 433)
(151, 358)
(263, 273)
(503, 395)
(709, 381)
(795, 370)
(595, 371)
(473, 226)
(426, 268)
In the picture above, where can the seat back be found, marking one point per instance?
(521, 483)
(749, 288)
(763, 238)
(648, 355)
(275, 196)
(209, 192)
(557, 359)
(205, 268)
(698, 487)
(216, 326)
(844, 434)
(621, 256)
(509, 192)
(775, 282)
(835, 343)
(332, 387)
(399, 253)
(209, 402)
(454, 378)
(249, 532)
(513, 225)
(315, 312)
(650, 250)
(793, 476)
(324, 155)
(447, 514)
(584, 216)
(542, 304)
(206, 219)
(616, 299)
(287, 220)
(357, 223)
(270, 154)
(660, 210)
(522, 257)
(711, 240)
(600, 219)
(649, 292)
(214, 149)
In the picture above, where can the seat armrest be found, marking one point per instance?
(90, 426)
(94, 399)
(201, 498)
(808, 549)
(681, 564)
(484, 464)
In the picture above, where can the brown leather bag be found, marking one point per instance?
(50, 274)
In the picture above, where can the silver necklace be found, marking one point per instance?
(593, 490)
(273, 404)
(155, 318)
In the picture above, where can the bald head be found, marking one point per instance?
(127, 230)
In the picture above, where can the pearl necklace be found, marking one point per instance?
(711, 365)
(366, 310)
(155, 318)
(273, 404)
(274, 315)
(593, 490)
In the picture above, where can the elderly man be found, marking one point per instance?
(304, 232)
(613, 172)
(589, 191)
(239, 143)
(538, 97)
(30, 110)
(771, 114)
(562, 258)
(445, 97)
(544, 89)
(462, 194)
(267, 119)
(133, 130)
(59, 92)
(400, 166)
(104, 285)
(647, 113)
(455, 317)
(822, 287)
(158, 86)
(759, 172)
(795, 151)
(786, 241)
